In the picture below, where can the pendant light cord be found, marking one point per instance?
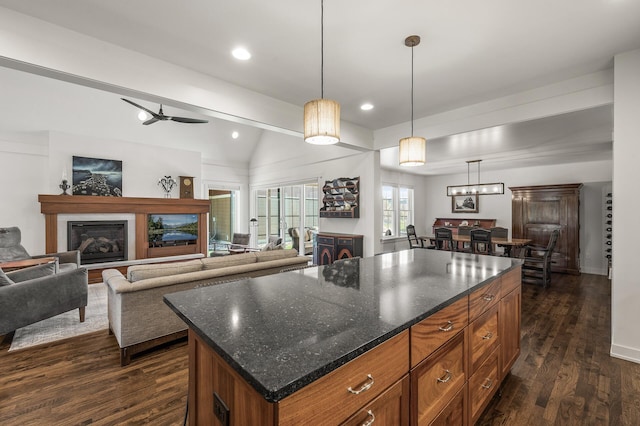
(411, 91)
(322, 49)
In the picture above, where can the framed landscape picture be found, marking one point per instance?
(96, 176)
(464, 204)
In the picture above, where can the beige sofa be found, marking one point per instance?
(138, 316)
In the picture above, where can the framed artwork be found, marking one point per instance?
(464, 203)
(96, 176)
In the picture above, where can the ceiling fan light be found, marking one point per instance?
(412, 151)
(142, 116)
(322, 122)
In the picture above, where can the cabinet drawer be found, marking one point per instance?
(344, 391)
(483, 298)
(390, 408)
(432, 332)
(483, 385)
(436, 380)
(484, 337)
(325, 240)
(345, 242)
(453, 414)
(511, 280)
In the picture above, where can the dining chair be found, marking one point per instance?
(464, 230)
(499, 232)
(481, 241)
(537, 261)
(444, 239)
(414, 241)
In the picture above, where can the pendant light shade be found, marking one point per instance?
(412, 151)
(322, 122)
(322, 116)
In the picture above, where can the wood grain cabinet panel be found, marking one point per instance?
(483, 384)
(436, 380)
(391, 408)
(539, 210)
(435, 330)
(510, 323)
(330, 398)
(484, 337)
(455, 413)
(484, 298)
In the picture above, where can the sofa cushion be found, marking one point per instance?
(33, 272)
(265, 256)
(229, 260)
(4, 279)
(143, 272)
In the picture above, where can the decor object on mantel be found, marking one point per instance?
(96, 176)
(478, 188)
(412, 150)
(341, 198)
(167, 183)
(322, 116)
(186, 186)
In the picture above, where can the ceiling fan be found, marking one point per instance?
(159, 116)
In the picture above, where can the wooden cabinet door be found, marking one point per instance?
(539, 210)
(510, 320)
(391, 408)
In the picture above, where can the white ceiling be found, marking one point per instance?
(470, 52)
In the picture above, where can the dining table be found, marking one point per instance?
(508, 243)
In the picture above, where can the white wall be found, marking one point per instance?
(595, 176)
(33, 164)
(281, 159)
(625, 297)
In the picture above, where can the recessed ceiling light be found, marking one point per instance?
(235, 135)
(366, 107)
(241, 53)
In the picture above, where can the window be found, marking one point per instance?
(397, 210)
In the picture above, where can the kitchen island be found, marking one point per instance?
(415, 336)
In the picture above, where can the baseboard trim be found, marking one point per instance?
(626, 353)
(594, 271)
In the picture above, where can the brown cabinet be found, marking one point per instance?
(455, 360)
(454, 223)
(539, 210)
(330, 247)
(391, 408)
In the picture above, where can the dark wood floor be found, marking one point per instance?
(564, 375)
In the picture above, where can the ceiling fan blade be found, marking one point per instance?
(153, 114)
(187, 120)
(151, 121)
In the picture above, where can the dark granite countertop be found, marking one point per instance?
(281, 332)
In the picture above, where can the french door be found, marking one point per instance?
(283, 207)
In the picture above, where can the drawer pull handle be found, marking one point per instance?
(364, 387)
(446, 378)
(487, 336)
(447, 327)
(488, 297)
(487, 384)
(370, 422)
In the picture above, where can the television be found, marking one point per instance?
(165, 230)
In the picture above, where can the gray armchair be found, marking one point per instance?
(11, 249)
(33, 294)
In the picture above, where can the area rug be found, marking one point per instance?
(66, 325)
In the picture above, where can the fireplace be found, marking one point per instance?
(98, 241)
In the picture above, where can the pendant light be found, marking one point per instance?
(322, 116)
(412, 150)
(494, 188)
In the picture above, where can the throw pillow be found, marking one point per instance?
(33, 272)
(4, 279)
(267, 247)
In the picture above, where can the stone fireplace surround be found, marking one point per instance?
(58, 209)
